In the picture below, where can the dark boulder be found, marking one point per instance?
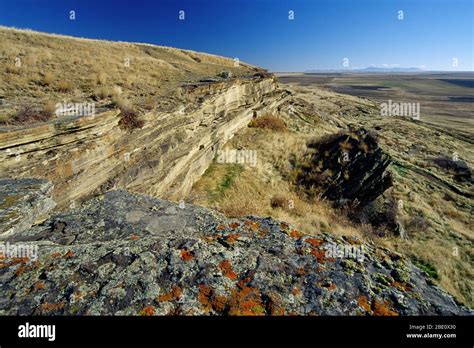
(460, 169)
(346, 167)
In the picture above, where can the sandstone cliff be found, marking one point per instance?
(82, 155)
(190, 103)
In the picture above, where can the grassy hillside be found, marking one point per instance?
(42, 69)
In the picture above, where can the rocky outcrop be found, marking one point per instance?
(91, 154)
(129, 254)
(347, 168)
(22, 202)
(460, 169)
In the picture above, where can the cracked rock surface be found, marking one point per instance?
(22, 201)
(129, 254)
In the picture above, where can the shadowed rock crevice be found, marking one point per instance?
(347, 167)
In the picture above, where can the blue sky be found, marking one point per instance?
(432, 34)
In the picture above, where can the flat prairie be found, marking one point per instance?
(446, 99)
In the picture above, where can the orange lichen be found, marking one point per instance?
(55, 255)
(296, 234)
(314, 241)
(14, 261)
(186, 255)
(17, 260)
(210, 300)
(243, 282)
(362, 300)
(148, 311)
(246, 301)
(300, 271)
(383, 309)
(227, 270)
(319, 255)
(242, 301)
(38, 286)
(401, 286)
(78, 295)
(22, 269)
(220, 227)
(208, 239)
(219, 303)
(232, 238)
(276, 310)
(234, 225)
(68, 255)
(47, 308)
(296, 291)
(253, 225)
(204, 295)
(134, 237)
(174, 294)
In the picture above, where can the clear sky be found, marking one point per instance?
(433, 34)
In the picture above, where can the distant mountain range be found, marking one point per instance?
(368, 69)
(393, 69)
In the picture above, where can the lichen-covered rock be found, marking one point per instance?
(22, 201)
(130, 254)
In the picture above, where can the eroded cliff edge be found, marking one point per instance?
(131, 254)
(91, 154)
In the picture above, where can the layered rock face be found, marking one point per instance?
(91, 154)
(131, 254)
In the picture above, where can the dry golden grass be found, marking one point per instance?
(150, 103)
(266, 189)
(61, 68)
(267, 121)
(47, 79)
(448, 259)
(49, 108)
(248, 194)
(64, 86)
(101, 78)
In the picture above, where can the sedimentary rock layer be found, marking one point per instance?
(85, 155)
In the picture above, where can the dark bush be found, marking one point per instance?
(28, 114)
(129, 120)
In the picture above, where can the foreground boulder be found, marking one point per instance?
(459, 169)
(128, 254)
(346, 168)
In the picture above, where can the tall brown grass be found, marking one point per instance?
(267, 121)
